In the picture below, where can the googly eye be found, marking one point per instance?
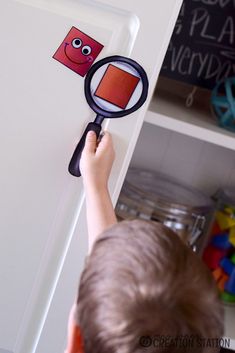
(86, 50)
(76, 43)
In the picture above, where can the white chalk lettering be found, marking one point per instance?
(224, 71)
(221, 3)
(213, 67)
(182, 10)
(197, 65)
(197, 57)
(199, 15)
(176, 57)
(228, 54)
(185, 57)
(202, 50)
(178, 27)
(227, 30)
(203, 62)
(203, 32)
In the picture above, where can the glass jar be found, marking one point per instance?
(153, 196)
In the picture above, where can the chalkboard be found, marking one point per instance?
(202, 48)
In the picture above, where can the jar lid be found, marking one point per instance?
(159, 189)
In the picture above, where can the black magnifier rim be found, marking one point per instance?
(119, 114)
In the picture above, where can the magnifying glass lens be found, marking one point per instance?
(116, 86)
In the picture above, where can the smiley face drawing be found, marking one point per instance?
(78, 51)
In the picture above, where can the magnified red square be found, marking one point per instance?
(117, 86)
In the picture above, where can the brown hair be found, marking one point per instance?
(142, 286)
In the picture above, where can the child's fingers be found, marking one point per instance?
(105, 142)
(91, 142)
(100, 137)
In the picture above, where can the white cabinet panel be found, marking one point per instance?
(43, 112)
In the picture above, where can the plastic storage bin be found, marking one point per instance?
(219, 254)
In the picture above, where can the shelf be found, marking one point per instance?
(229, 330)
(171, 113)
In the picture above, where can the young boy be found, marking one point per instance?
(142, 289)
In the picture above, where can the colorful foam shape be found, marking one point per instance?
(221, 241)
(227, 265)
(230, 284)
(224, 220)
(230, 210)
(212, 256)
(232, 236)
(232, 232)
(117, 86)
(227, 297)
(218, 273)
(215, 229)
(222, 282)
(232, 241)
(232, 259)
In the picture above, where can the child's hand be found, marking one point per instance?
(97, 160)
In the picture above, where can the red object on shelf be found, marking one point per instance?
(215, 229)
(212, 256)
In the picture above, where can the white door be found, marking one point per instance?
(43, 113)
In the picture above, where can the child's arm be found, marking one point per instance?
(96, 163)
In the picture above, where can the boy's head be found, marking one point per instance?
(141, 280)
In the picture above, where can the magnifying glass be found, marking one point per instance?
(114, 87)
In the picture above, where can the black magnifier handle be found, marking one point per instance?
(74, 165)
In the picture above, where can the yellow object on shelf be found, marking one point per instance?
(224, 220)
(229, 210)
(232, 236)
(220, 251)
